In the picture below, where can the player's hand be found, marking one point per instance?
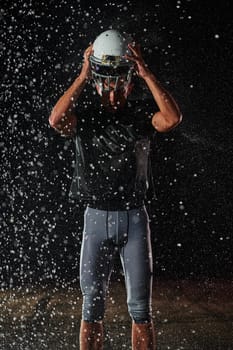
(136, 57)
(86, 67)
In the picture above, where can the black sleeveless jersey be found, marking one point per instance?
(112, 154)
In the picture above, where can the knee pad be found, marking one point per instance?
(140, 310)
(93, 307)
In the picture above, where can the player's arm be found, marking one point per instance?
(62, 117)
(169, 114)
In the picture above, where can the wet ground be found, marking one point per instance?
(188, 315)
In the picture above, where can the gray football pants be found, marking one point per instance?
(105, 234)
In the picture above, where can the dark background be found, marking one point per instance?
(188, 45)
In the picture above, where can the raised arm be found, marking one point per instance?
(62, 117)
(169, 114)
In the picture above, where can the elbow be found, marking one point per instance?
(165, 123)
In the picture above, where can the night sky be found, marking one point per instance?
(188, 45)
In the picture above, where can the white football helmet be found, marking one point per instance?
(108, 63)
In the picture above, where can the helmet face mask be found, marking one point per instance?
(110, 69)
(115, 79)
